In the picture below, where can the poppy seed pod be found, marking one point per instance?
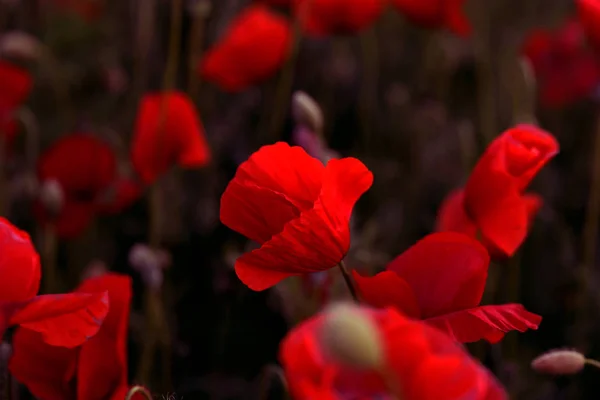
(559, 362)
(306, 111)
(52, 196)
(350, 337)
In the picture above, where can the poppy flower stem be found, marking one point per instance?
(196, 40)
(592, 362)
(368, 44)
(348, 281)
(138, 389)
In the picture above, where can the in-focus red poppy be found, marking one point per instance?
(255, 46)
(97, 370)
(65, 320)
(296, 208)
(589, 16)
(335, 17)
(441, 280)
(421, 361)
(15, 86)
(493, 203)
(85, 169)
(566, 70)
(436, 14)
(168, 131)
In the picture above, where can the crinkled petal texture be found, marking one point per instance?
(589, 15)
(168, 131)
(255, 46)
(423, 362)
(97, 369)
(331, 17)
(296, 208)
(492, 202)
(436, 14)
(66, 320)
(20, 270)
(441, 280)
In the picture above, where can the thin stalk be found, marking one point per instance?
(145, 29)
(370, 57)
(138, 390)
(270, 372)
(348, 280)
(594, 363)
(196, 41)
(48, 256)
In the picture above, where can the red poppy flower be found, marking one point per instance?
(85, 168)
(167, 137)
(330, 17)
(89, 10)
(15, 86)
(436, 14)
(423, 362)
(62, 319)
(566, 70)
(255, 46)
(589, 16)
(492, 202)
(441, 281)
(296, 208)
(97, 370)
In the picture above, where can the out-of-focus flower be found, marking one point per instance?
(589, 16)
(493, 203)
(559, 362)
(441, 280)
(116, 79)
(436, 14)
(65, 320)
(75, 175)
(331, 17)
(391, 356)
(15, 86)
(168, 131)
(566, 70)
(255, 46)
(97, 370)
(296, 208)
(89, 10)
(149, 263)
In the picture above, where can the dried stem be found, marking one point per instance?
(348, 280)
(370, 58)
(594, 363)
(138, 389)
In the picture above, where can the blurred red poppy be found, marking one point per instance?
(89, 10)
(167, 136)
(589, 16)
(85, 169)
(565, 69)
(15, 86)
(441, 280)
(436, 14)
(255, 46)
(296, 208)
(65, 320)
(493, 203)
(331, 17)
(97, 370)
(423, 362)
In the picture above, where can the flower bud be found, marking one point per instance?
(559, 362)
(351, 338)
(306, 111)
(52, 196)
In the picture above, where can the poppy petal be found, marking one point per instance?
(387, 289)
(452, 216)
(486, 322)
(30, 362)
(318, 239)
(65, 320)
(446, 271)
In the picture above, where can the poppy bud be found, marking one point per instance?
(148, 263)
(559, 362)
(351, 338)
(52, 196)
(306, 111)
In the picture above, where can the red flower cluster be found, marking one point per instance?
(436, 14)
(66, 320)
(421, 362)
(96, 370)
(493, 203)
(296, 208)
(441, 280)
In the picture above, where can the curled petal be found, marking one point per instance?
(486, 322)
(64, 320)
